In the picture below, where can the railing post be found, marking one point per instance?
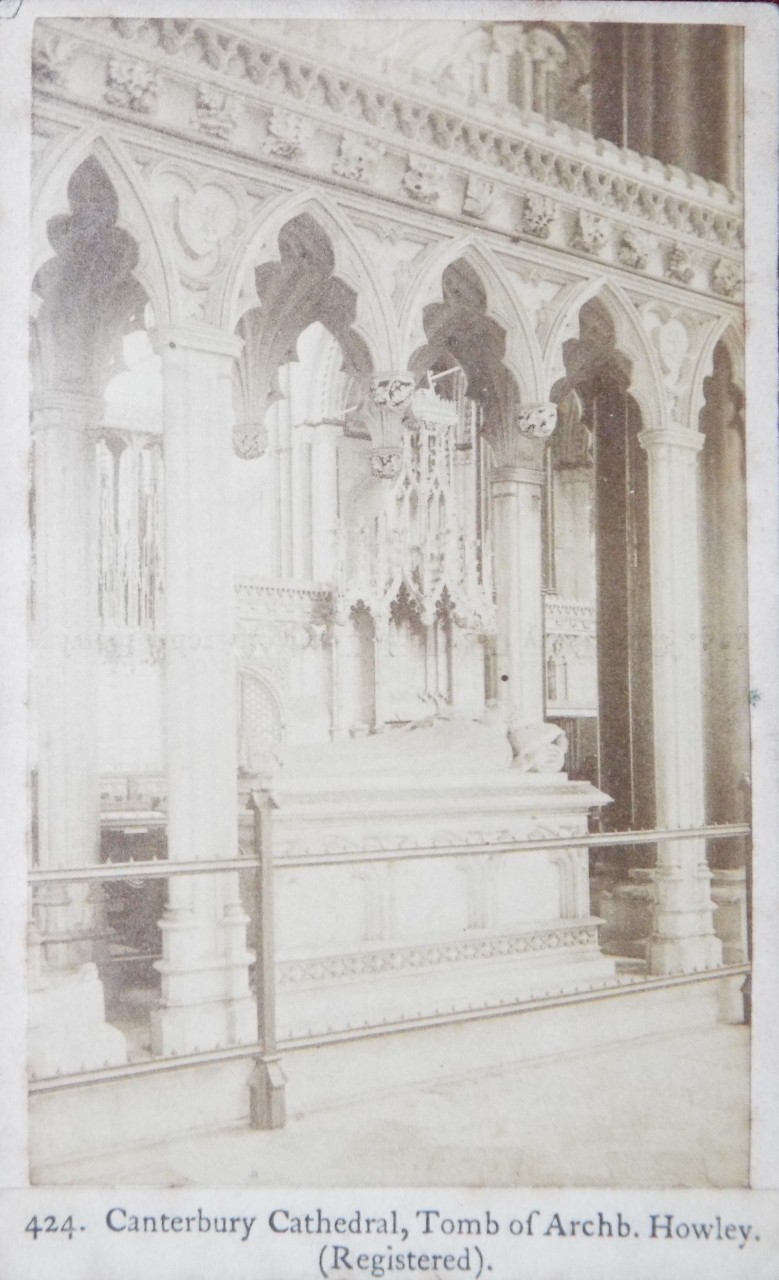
(267, 1103)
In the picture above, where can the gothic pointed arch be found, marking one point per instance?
(351, 265)
(135, 214)
(645, 379)
(730, 335)
(522, 356)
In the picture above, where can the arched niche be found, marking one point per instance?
(89, 295)
(263, 243)
(723, 540)
(134, 213)
(599, 513)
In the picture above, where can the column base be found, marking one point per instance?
(67, 1027)
(690, 954)
(267, 1095)
(197, 1027)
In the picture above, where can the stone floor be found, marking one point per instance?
(664, 1111)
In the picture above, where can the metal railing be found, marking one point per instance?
(267, 1100)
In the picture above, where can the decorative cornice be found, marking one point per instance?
(520, 174)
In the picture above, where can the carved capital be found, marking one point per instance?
(537, 421)
(249, 440)
(391, 390)
(386, 462)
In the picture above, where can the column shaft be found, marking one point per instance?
(683, 935)
(516, 501)
(206, 999)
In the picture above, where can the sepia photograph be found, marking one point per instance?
(390, 714)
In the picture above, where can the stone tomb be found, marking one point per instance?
(462, 925)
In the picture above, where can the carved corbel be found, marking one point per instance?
(390, 395)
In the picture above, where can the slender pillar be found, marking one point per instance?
(68, 1031)
(683, 937)
(324, 499)
(206, 1000)
(516, 488)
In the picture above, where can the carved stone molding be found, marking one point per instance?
(565, 936)
(536, 420)
(358, 158)
(131, 84)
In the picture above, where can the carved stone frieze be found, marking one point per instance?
(564, 936)
(423, 180)
(538, 215)
(131, 84)
(216, 113)
(358, 158)
(288, 133)
(591, 232)
(508, 149)
(478, 196)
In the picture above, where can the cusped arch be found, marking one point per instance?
(725, 331)
(136, 215)
(646, 383)
(260, 244)
(523, 354)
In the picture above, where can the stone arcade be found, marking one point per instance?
(387, 461)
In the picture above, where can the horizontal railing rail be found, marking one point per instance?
(160, 868)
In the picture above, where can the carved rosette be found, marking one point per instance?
(591, 232)
(51, 53)
(215, 112)
(287, 134)
(537, 421)
(423, 180)
(538, 215)
(358, 158)
(386, 462)
(726, 278)
(249, 442)
(478, 196)
(131, 84)
(679, 265)
(634, 248)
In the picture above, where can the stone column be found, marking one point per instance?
(516, 485)
(206, 1001)
(683, 937)
(68, 1031)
